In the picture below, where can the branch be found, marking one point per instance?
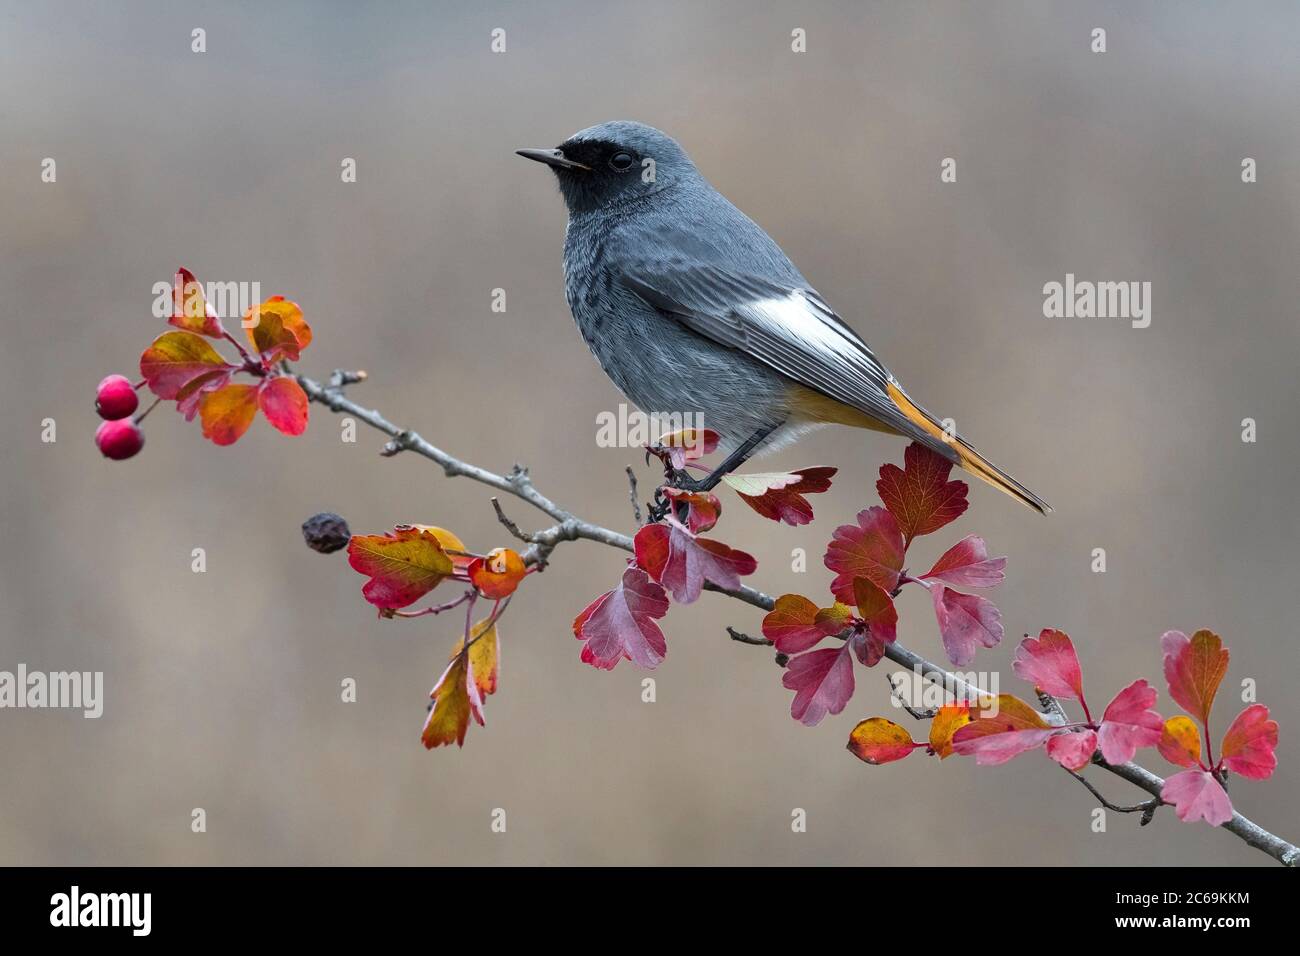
(568, 527)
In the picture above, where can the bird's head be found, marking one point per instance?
(613, 163)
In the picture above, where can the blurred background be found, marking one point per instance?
(223, 688)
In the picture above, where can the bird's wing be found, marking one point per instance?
(789, 328)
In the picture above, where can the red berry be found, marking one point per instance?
(119, 439)
(115, 398)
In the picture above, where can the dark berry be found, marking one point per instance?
(325, 532)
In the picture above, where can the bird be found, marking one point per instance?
(692, 309)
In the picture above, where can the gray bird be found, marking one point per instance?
(690, 307)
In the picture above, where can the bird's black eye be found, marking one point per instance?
(621, 162)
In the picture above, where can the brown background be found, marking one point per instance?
(223, 688)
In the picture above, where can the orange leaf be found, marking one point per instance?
(402, 566)
(484, 654)
(1180, 741)
(175, 359)
(278, 329)
(227, 412)
(498, 573)
(455, 698)
(948, 721)
(284, 404)
(190, 309)
(877, 740)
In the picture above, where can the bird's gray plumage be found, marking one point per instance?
(690, 307)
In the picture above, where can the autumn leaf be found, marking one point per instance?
(498, 573)
(1129, 723)
(484, 655)
(919, 495)
(284, 404)
(1072, 750)
(1196, 795)
(877, 740)
(1050, 663)
(793, 624)
(702, 508)
(683, 562)
(687, 444)
(1005, 728)
(1249, 744)
(227, 412)
(455, 698)
(277, 329)
(190, 397)
(175, 359)
(190, 309)
(949, 719)
(1180, 741)
(822, 681)
(621, 623)
(871, 549)
(779, 496)
(1194, 668)
(402, 566)
(877, 609)
(967, 564)
(966, 621)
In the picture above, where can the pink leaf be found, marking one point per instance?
(1049, 662)
(620, 623)
(871, 549)
(1194, 668)
(284, 404)
(1129, 723)
(965, 622)
(1196, 795)
(1072, 751)
(1249, 745)
(683, 562)
(1002, 730)
(967, 564)
(822, 681)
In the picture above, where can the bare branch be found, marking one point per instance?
(570, 528)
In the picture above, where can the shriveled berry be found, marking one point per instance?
(325, 532)
(115, 398)
(119, 439)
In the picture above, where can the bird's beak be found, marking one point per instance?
(551, 157)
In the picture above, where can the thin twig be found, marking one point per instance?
(928, 713)
(570, 528)
(636, 505)
(746, 639)
(1144, 808)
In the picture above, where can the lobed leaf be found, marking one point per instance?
(919, 495)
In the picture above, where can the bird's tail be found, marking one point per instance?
(952, 446)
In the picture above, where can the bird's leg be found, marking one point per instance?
(733, 461)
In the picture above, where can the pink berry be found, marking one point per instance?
(115, 398)
(119, 439)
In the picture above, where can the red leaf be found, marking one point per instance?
(284, 404)
(621, 623)
(779, 496)
(1196, 795)
(1249, 745)
(1050, 663)
(1194, 667)
(702, 508)
(919, 495)
(967, 565)
(1072, 751)
(795, 624)
(1129, 723)
(402, 566)
(1004, 729)
(871, 549)
(822, 681)
(687, 444)
(965, 622)
(682, 562)
(877, 740)
(877, 609)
